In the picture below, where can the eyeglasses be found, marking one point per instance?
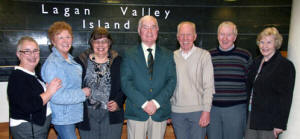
(28, 52)
(63, 37)
(105, 41)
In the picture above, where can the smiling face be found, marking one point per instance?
(267, 46)
(29, 55)
(186, 36)
(101, 46)
(63, 42)
(226, 36)
(148, 30)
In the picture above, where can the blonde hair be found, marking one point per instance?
(270, 31)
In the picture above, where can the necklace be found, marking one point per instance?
(103, 60)
(100, 68)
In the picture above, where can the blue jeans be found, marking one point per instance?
(227, 122)
(65, 131)
(186, 125)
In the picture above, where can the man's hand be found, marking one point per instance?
(150, 108)
(204, 119)
(169, 121)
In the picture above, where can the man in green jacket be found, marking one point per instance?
(148, 79)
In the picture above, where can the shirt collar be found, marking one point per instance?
(227, 49)
(25, 70)
(186, 55)
(145, 47)
(55, 51)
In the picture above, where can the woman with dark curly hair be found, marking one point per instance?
(103, 117)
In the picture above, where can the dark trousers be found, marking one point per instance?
(186, 125)
(100, 126)
(258, 134)
(227, 122)
(24, 130)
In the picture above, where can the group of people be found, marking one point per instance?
(201, 92)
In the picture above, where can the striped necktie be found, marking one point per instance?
(150, 61)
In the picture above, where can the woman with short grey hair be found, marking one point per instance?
(28, 95)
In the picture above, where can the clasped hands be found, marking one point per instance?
(150, 108)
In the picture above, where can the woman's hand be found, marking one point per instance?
(51, 89)
(277, 131)
(86, 91)
(112, 106)
(53, 86)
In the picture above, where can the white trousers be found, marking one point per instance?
(140, 129)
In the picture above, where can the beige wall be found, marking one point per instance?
(292, 131)
(3, 103)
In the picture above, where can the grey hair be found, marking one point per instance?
(235, 31)
(23, 39)
(143, 18)
(186, 22)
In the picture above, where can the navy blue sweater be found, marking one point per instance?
(23, 93)
(230, 72)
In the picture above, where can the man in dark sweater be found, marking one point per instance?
(228, 113)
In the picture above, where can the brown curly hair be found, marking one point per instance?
(99, 33)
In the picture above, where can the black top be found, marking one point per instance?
(23, 93)
(272, 92)
(116, 93)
